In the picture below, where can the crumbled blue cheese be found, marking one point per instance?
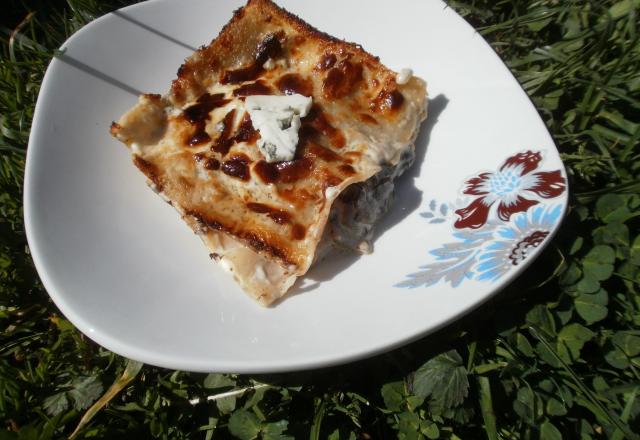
(404, 76)
(277, 118)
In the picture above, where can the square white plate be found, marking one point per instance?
(487, 192)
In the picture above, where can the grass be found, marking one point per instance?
(561, 360)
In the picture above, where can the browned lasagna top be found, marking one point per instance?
(197, 144)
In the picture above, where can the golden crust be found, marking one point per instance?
(197, 145)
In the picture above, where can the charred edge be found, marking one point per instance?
(305, 28)
(261, 245)
(205, 222)
(183, 70)
(152, 96)
(270, 10)
(250, 238)
(115, 128)
(149, 170)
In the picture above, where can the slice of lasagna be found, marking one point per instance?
(276, 143)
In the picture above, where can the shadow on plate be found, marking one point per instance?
(408, 199)
(326, 270)
(146, 27)
(71, 61)
(65, 58)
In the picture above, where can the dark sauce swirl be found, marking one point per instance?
(198, 115)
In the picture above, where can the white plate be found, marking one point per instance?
(122, 266)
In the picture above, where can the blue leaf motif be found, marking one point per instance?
(455, 261)
(426, 214)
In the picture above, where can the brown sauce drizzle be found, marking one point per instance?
(293, 83)
(298, 197)
(199, 111)
(241, 75)
(255, 88)
(198, 114)
(246, 132)
(331, 180)
(298, 231)
(387, 101)
(323, 153)
(223, 143)
(212, 164)
(326, 61)
(368, 119)
(347, 170)
(318, 121)
(268, 48)
(341, 80)
(284, 172)
(200, 137)
(237, 166)
(267, 172)
(279, 216)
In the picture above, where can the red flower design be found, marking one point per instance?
(507, 188)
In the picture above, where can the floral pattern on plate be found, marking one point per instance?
(507, 219)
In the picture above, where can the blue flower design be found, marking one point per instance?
(515, 241)
(483, 247)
